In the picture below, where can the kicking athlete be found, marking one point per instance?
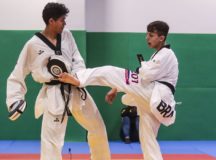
(151, 88)
(41, 56)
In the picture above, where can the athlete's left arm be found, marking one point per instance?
(76, 58)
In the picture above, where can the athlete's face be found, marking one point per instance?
(58, 25)
(154, 40)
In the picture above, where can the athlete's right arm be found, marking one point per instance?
(16, 87)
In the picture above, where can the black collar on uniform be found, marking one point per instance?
(165, 46)
(56, 48)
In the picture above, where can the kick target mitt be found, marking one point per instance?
(16, 109)
(56, 66)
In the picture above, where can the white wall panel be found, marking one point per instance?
(27, 14)
(76, 17)
(184, 16)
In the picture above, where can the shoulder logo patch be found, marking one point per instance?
(40, 52)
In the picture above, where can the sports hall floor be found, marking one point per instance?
(172, 150)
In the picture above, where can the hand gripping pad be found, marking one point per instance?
(56, 67)
(16, 109)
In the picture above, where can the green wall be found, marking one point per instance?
(196, 88)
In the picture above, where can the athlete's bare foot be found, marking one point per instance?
(68, 78)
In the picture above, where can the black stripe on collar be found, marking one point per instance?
(56, 48)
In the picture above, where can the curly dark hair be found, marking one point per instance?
(160, 27)
(54, 10)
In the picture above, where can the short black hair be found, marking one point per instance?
(54, 10)
(160, 27)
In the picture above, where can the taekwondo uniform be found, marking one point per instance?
(33, 59)
(152, 91)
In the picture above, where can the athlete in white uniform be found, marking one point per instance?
(34, 59)
(151, 90)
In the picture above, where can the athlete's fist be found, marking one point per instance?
(110, 96)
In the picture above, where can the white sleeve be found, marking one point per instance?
(16, 87)
(155, 68)
(77, 60)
